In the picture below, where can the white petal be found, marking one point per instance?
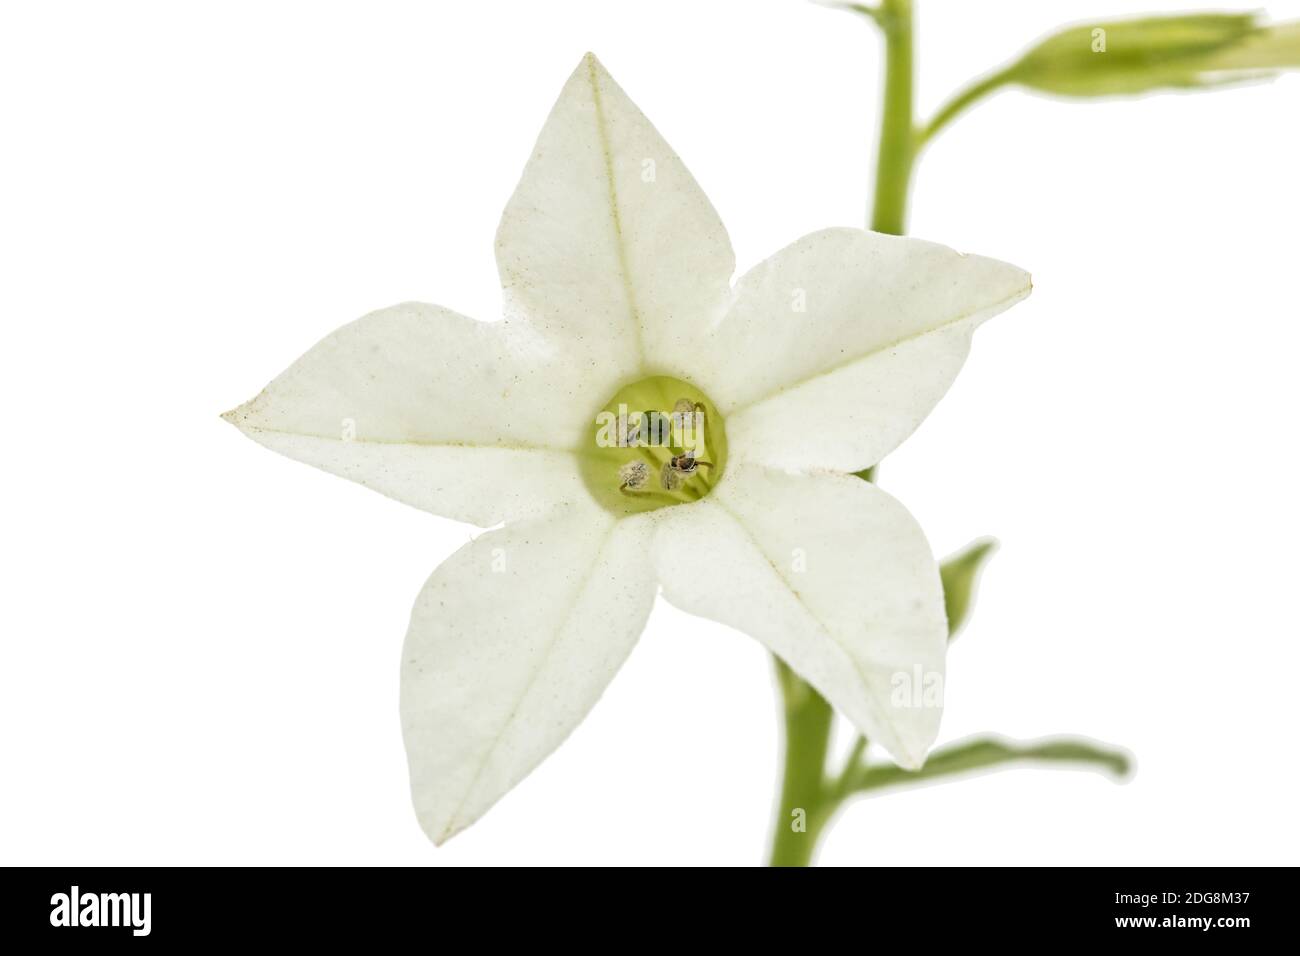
(835, 578)
(466, 419)
(608, 245)
(839, 345)
(512, 640)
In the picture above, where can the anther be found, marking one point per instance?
(633, 476)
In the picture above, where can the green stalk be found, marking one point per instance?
(810, 792)
(897, 147)
(963, 101)
(808, 717)
(802, 809)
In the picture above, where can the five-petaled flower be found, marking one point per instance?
(619, 308)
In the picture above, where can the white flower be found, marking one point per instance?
(617, 277)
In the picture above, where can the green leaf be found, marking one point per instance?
(974, 754)
(1127, 57)
(960, 573)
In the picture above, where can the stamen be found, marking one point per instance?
(658, 426)
(634, 476)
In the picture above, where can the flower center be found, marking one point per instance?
(658, 442)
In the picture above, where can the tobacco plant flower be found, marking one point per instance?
(637, 423)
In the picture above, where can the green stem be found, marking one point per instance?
(804, 805)
(809, 796)
(808, 799)
(963, 100)
(897, 147)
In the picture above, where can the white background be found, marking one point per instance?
(201, 639)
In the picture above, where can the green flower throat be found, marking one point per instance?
(657, 442)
